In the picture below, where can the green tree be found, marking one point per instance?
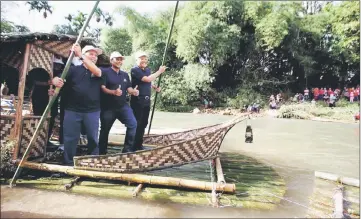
(239, 52)
(116, 39)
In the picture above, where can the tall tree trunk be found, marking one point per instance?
(343, 75)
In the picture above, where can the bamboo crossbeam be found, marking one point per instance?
(134, 178)
(336, 178)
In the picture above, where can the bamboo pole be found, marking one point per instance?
(164, 54)
(137, 190)
(336, 178)
(134, 178)
(220, 176)
(19, 105)
(338, 203)
(51, 102)
(214, 196)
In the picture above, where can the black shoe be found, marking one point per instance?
(127, 150)
(141, 148)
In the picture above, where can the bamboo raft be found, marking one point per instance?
(254, 181)
(169, 151)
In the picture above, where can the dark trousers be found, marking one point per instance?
(141, 109)
(54, 113)
(72, 126)
(107, 118)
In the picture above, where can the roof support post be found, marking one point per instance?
(19, 105)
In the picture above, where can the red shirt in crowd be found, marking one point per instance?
(329, 92)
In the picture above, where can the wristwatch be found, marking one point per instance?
(81, 58)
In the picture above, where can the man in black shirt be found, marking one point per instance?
(142, 77)
(83, 87)
(114, 104)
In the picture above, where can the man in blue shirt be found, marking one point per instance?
(114, 104)
(83, 88)
(142, 77)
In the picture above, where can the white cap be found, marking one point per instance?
(89, 47)
(58, 60)
(115, 55)
(140, 54)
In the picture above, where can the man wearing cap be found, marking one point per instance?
(142, 77)
(83, 87)
(114, 104)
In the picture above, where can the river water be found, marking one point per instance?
(294, 148)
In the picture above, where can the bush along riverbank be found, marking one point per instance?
(343, 112)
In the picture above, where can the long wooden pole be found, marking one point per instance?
(19, 106)
(133, 177)
(164, 54)
(51, 102)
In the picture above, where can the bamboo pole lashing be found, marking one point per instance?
(133, 178)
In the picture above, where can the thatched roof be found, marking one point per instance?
(31, 37)
(13, 45)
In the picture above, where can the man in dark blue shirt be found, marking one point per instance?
(83, 88)
(114, 104)
(142, 77)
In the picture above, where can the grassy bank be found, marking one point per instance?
(342, 112)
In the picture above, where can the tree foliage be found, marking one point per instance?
(234, 51)
(239, 51)
(40, 6)
(117, 39)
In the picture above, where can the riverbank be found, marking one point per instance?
(305, 111)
